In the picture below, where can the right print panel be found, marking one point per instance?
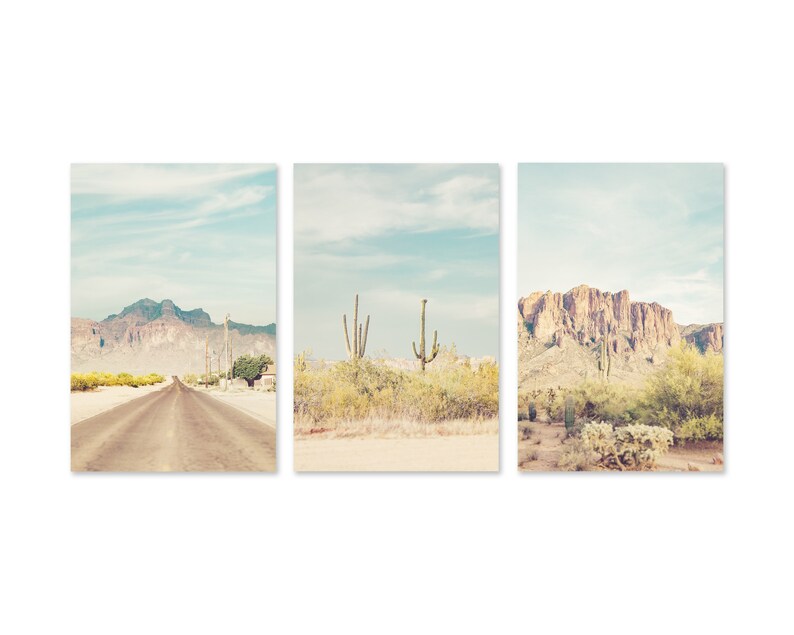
(620, 317)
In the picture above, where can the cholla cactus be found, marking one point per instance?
(424, 359)
(639, 446)
(359, 335)
(599, 438)
(632, 447)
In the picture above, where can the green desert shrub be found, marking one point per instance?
(602, 401)
(686, 395)
(362, 389)
(632, 447)
(90, 381)
(213, 380)
(82, 382)
(699, 429)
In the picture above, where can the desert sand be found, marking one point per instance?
(92, 402)
(260, 405)
(463, 453)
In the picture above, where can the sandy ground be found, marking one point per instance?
(541, 451)
(472, 453)
(260, 405)
(92, 402)
(700, 459)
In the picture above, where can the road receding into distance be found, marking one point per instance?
(176, 429)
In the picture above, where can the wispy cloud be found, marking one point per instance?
(396, 234)
(201, 235)
(342, 202)
(133, 182)
(656, 230)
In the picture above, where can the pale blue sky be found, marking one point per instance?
(396, 234)
(654, 229)
(202, 235)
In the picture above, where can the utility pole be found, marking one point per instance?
(231, 357)
(207, 362)
(226, 354)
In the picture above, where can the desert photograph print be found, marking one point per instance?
(620, 317)
(173, 304)
(396, 317)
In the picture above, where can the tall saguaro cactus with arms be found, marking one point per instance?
(423, 359)
(604, 356)
(359, 335)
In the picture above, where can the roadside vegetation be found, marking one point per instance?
(90, 381)
(192, 379)
(251, 367)
(248, 367)
(452, 395)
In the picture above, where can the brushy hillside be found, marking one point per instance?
(684, 396)
(449, 389)
(90, 381)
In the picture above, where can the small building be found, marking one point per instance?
(268, 379)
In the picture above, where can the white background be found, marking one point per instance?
(404, 81)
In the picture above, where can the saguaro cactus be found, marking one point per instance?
(423, 359)
(570, 413)
(359, 335)
(604, 357)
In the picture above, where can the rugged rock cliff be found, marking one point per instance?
(560, 335)
(584, 314)
(707, 337)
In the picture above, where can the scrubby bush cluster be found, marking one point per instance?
(192, 379)
(362, 389)
(685, 397)
(699, 429)
(90, 381)
(631, 447)
(601, 401)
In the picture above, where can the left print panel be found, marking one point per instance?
(173, 305)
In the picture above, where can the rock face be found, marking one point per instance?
(584, 315)
(637, 334)
(707, 337)
(150, 336)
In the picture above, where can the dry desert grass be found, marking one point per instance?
(396, 428)
(372, 390)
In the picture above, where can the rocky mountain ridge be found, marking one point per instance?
(560, 335)
(150, 336)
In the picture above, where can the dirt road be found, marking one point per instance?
(176, 429)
